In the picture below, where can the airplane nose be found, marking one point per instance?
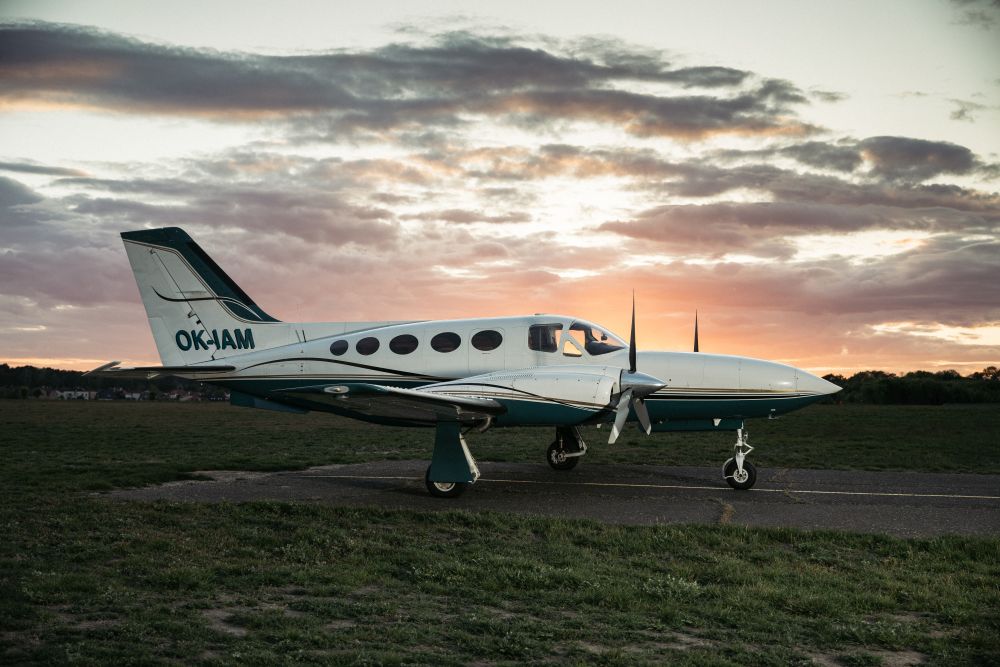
(808, 382)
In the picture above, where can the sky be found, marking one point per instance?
(818, 180)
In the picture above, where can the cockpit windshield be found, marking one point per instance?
(597, 340)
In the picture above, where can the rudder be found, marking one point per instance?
(196, 311)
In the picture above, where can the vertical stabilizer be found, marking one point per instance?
(196, 311)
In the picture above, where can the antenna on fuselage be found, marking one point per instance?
(696, 331)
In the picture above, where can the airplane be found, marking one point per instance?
(455, 376)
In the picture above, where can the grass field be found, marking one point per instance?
(89, 580)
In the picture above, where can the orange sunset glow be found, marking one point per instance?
(816, 202)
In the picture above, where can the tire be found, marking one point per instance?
(444, 489)
(556, 456)
(729, 470)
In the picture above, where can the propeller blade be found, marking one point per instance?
(621, 414)
(631, 340)
(696, 331)
(642, 413)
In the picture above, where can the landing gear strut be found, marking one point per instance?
(738, 472)
(452, 468)
(565, 452)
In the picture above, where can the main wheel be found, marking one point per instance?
(739, 481)
(444, 489)
(557, 458)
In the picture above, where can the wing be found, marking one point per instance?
(410, 405)
(111, 369)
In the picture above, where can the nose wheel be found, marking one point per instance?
(565, 452)
(737, 471)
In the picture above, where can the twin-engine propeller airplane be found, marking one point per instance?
(453, 375)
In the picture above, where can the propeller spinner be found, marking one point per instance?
(635, 387)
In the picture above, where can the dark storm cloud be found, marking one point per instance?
(395, 86)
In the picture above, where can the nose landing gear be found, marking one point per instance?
(738, 472)
(565, 452)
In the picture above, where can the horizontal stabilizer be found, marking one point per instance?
(112, 369)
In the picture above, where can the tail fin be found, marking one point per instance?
(196, 311)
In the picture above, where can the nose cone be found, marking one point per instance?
(808, 382)
(640, 383)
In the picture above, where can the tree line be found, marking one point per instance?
(876, 387)
(917, 387)
(31, 382)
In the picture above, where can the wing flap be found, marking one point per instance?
(397, 403)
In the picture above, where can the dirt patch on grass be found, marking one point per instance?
(218, 619)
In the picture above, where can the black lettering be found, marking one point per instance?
(244, 339)
(199, 342)
(183, 340)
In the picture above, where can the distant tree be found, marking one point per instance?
(990, 373)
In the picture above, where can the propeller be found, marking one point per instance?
(696, 331)
(635, 388)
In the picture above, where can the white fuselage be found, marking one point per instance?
(418, 353)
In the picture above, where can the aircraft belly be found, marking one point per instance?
(706, 407)
(538, 413)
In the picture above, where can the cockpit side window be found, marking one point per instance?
(544, 337)
(597, 341)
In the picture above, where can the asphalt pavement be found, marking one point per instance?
(905, 504)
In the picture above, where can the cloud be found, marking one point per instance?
(905, 158)
(982, 14)
(31, 167)
(761, 229)
(839, 157)
(13, 193)
(459, 175)
(966, 110)
(391, 87)
(462, 216)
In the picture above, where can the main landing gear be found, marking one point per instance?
(738, 472)
(565, 451)
(452, 468)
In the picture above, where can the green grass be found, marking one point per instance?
(90, 580)
(100, 445)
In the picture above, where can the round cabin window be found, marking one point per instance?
(403, 344)
(487, 340)
(338, 348)
(367, 346)
(446, 342)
